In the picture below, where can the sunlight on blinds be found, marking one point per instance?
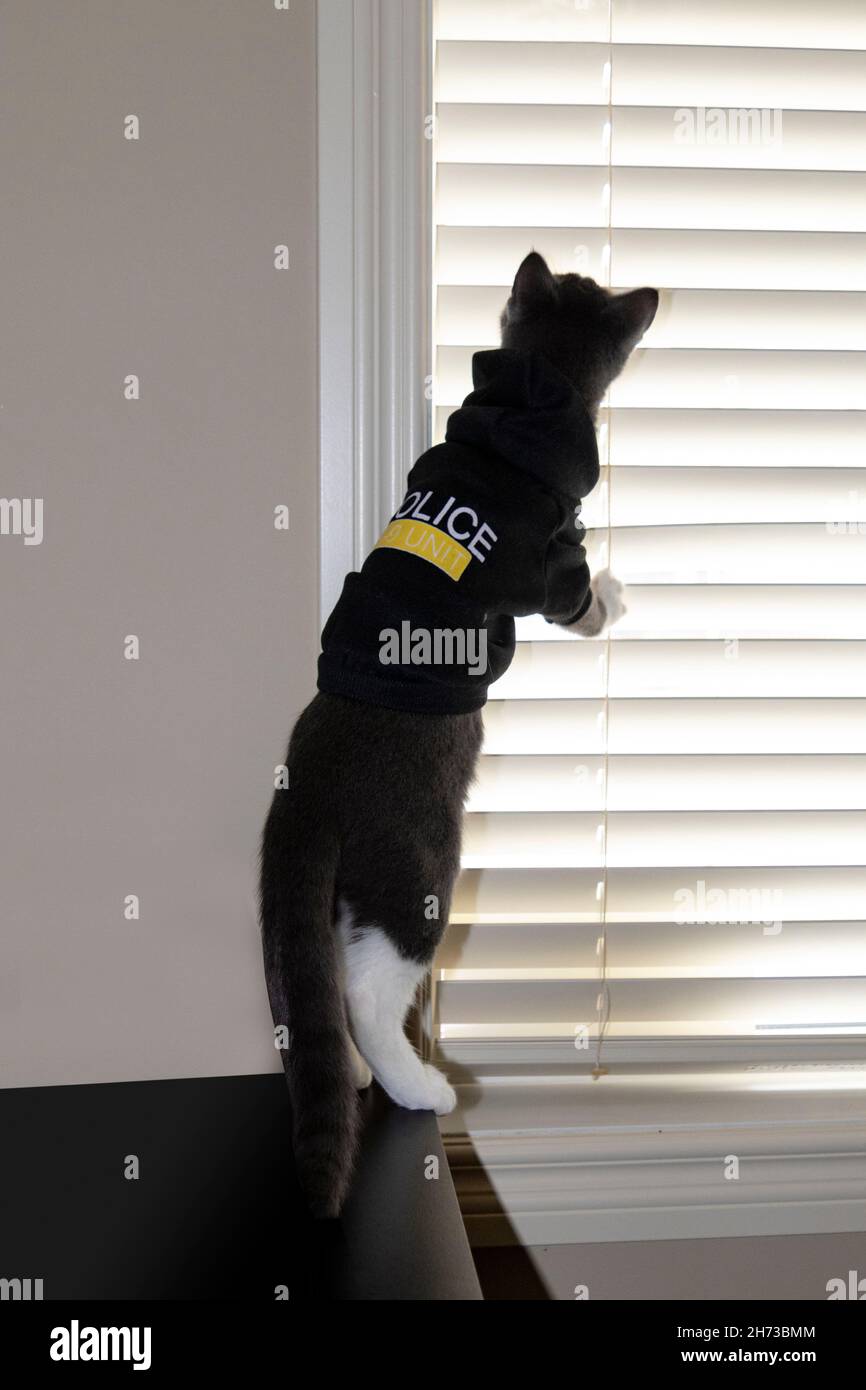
(677, 811)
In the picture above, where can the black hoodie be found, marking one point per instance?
(489, 530)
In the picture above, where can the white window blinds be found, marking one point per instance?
(666, 846)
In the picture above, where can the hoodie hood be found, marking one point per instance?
(524, 410)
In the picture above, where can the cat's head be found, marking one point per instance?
(583, 329)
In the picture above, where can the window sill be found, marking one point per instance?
(648, 1155)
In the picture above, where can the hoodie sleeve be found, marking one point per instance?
(566, 573)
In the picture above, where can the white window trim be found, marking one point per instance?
(621, 1183)
(374, 278)
(374, 227)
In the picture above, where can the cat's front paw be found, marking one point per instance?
(611, 594)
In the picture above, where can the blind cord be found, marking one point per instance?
(603, 997)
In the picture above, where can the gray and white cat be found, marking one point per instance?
(367, 835)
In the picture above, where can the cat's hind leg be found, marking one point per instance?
(380, 985)
(360, 1071)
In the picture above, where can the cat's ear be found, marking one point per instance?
(630, 315)
(534, 288)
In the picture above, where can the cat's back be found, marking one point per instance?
(365, 754)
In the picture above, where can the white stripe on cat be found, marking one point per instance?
(380, 986)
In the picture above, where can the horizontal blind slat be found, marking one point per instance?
(726, 612)
(839, 24)
(763, 725)
(661, 838)
(571, 669)
(836, 24)
(647, 895)
(694, 438)
(668, 256)
(665, 949)
(680, 782)
(692, 1005)
(708, 378)
(760, 553)
(573, 195)
(658, 137)
(771, 319)
(762, 200)
(797, 438)
(572, 73)
(834, 497)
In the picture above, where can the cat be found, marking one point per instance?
(361, 852)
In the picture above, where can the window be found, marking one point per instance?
(665, 851)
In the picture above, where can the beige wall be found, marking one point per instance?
(153, 776)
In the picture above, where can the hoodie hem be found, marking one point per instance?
(407, 696)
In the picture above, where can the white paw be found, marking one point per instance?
(430, 1091)
(444, 1096)
(612, 594)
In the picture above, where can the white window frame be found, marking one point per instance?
(374, 269)
(375, 351)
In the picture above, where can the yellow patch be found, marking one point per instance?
(419, 538)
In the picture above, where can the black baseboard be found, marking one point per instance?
(215, 1212)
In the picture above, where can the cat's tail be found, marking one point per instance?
(302, 968)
